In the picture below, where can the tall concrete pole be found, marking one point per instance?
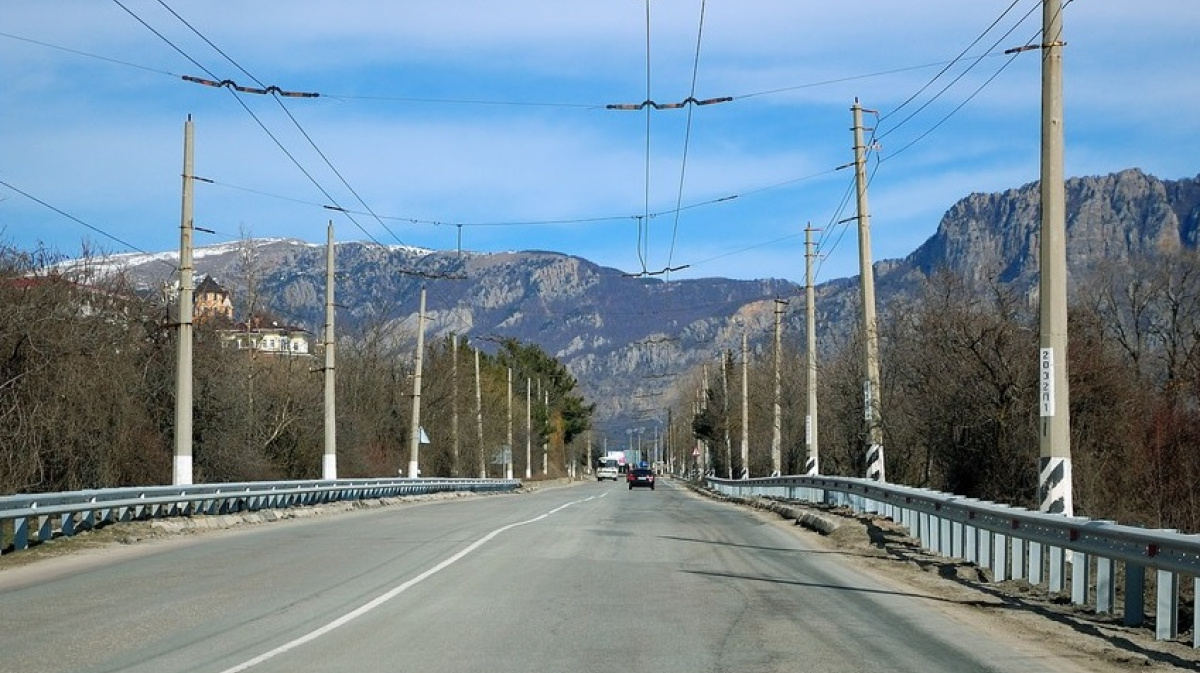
(329, 462)
(812, 465)
(455, 440)
(1054, 484)
(479, 418)
(508, 468)
(183, 356)
(414, 444)
(528, 428)
(725, 356)
(777, 416)
(702, 446)
(546, 439)
(871, 405)
(745, 406)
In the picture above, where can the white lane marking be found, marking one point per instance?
(396, 591)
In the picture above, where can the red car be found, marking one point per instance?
(640, 477)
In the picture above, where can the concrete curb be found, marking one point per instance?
(807, 517)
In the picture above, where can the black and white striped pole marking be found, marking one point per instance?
(875, 471)
(1054, 486)
(875, 463)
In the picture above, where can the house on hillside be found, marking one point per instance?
(211, 301)
(264, 335)
(212, 304)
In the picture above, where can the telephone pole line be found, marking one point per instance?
(777, 418)
(812, 464)
(726, 356)
(329, 462)
(508, 463)
(455, 440)
(414, 444)
(745, 406)
(528, 428)
(183, 358)
(1054, 483)
(871, 403)
(479, 418)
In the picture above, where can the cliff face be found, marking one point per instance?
(628, 339)
(1113, 217)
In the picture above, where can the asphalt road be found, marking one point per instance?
(592, 577)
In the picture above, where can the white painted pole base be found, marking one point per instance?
(329, 467)
(183, 471)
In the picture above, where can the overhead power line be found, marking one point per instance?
(76, 220)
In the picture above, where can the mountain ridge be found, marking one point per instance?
(626, 339)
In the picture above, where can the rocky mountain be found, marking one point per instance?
(1114, 217)
(628, 339)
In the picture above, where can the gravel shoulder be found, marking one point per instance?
(1026, 613)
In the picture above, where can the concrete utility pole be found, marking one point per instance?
(777, 417)
(668, 454)
(508, 468)
(414, 444)
(455, 440)
(871, 404)
(745, 406)
(183, 357)
(479, 418)
(546, 439)
(528, 428)
(329, 462)
(812, 465)
(1054, 483)
(725, 357)
(702, 446)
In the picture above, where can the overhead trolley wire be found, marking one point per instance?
(643, 242)
(687, 136)
(276, 93)
(950, 64)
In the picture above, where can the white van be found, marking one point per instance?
(607, 470)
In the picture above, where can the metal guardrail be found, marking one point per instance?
(42, 516)
(1016, 543)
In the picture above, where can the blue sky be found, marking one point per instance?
(485, 122)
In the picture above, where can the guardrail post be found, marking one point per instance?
(971, 544)
(945, 538)
(1195, 613)
(20, 533)
(1166, 610)
(1018, 557)
(45, 528)
(985, 549)
(1135, 590)
(1000, 557)
(1058, 569)
(1080, 577)
(958, 536)
(1036, 563)
(1106, 588)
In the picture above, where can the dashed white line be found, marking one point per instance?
(392, 593)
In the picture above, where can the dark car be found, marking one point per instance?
(640, 477)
